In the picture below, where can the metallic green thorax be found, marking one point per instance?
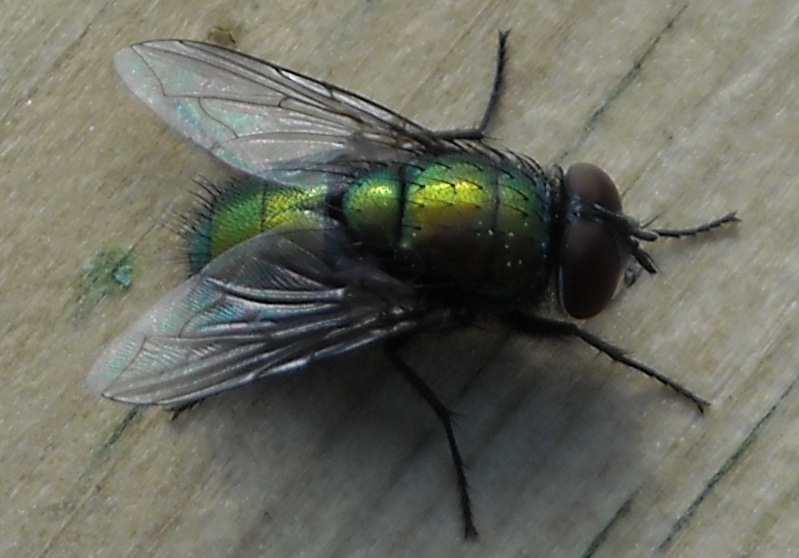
(458, 220)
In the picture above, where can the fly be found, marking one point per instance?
(357, 226)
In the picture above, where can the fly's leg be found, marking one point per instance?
(478, 132)
(545, 327)
(631, 231)
(730, 217)
(643, 232)
(182, 409)
(392, 349)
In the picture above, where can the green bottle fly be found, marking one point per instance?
(357, 226)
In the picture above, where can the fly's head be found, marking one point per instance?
(596, 243)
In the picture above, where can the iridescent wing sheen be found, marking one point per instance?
(256, 116)
(272, 304)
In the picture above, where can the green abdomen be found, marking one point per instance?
(244, 210)
(457, 220)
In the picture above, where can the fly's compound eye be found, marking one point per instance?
(591, 260)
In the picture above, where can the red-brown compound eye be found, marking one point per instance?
(592, 185)
(590, 263)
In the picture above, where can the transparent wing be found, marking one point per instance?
(272, 304)
(253, 114)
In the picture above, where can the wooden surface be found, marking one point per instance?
(694, 110)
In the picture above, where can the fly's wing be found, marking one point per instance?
(272, 304)
(257, 116)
